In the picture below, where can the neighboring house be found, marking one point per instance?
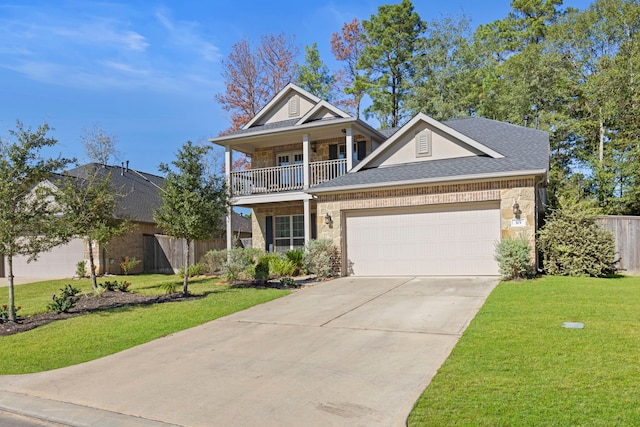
(429, 198)
(145, 241)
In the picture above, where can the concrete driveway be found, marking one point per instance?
(349, 352)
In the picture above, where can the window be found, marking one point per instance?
(423, 143)
(289, 232)
(337, 151)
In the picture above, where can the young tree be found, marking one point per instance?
(387, 58)
(194, 202)
(347, 46)
(29, 220)
(88, 201)
(314, 74)
(99, 146)
(253, 76)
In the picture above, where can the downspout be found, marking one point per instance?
(537, 220)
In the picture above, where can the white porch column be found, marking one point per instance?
(228, 154)
(307, 220)
(349, 144)
(306, 157)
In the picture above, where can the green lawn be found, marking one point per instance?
(517, 366)
(80, 339)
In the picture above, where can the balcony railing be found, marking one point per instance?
(284, 178)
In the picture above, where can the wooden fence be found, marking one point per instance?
(163, 254)
(626, 230)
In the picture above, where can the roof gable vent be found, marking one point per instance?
(423, 143)
(294, 106)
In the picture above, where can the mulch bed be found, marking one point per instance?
(90, 304)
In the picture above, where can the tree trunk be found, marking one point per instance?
(92, 266)
(12, 302)
(601, 146)
(185, 283)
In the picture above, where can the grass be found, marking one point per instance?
(80, 339)
(516, 365)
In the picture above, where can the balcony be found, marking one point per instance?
(284, 178)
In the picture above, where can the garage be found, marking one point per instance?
(439, 240)
(59, 262)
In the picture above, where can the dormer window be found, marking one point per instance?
(423, 143)
(294, 106)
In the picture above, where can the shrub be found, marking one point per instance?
(572, 244)
(4, 313)
(81, 269)
(514, 257)
(240, 263)
(169, 287)
(318, 257)
(194, 270)
(296, 256)
(288, 282)
(261, 271)
(123, 286)
(214, 260)
(281, 267)
(128, 264)
(66, 300)
(108, 285)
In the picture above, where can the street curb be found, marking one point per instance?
(70, 414)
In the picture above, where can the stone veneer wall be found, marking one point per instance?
(266, 157)
(507, 192)
(130, 245)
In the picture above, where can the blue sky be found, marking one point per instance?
(147, 71)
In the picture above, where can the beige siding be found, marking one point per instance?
(280, 111)
(443, 146)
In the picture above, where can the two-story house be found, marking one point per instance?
(429, 198)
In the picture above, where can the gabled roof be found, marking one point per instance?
(279, 96)
(322, 105)
(141, 190)
(523, 151)
(420, 117)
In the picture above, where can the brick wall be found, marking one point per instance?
(506, 192)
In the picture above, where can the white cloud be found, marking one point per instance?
(187, 35)
(106, 45)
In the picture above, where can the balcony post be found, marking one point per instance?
(349, 147)
(228, 154)
(307, 220)
(306, 158)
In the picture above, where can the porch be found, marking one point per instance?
(284, 178)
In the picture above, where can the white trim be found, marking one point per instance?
(277, 98)
(322, 104)
(290, 196)
(420, 117)
(229, 139)
(473, 177)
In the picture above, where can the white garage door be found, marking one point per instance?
(436, 241)
(60, 262)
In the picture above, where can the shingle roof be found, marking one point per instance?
(267, 126)
(141, 190)
(524, 149)
(142, 193)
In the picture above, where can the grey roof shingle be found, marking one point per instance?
(142, 194)
(524, 149)
(141, 190)
(268, 126)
